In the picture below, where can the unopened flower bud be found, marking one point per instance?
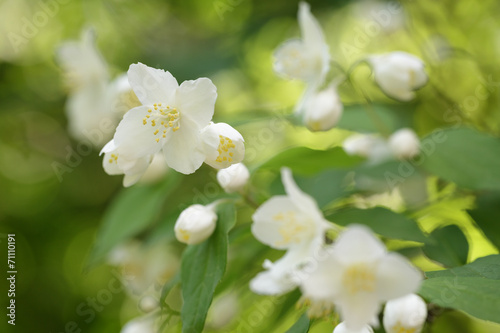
(224, 145)
(233, 178)
(139, 325)
(404, 143)
(398, 74)
(323, 110)
(405, 314)
(195, 224)
(342, 328)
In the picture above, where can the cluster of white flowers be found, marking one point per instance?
(398, 74)
(355, 274)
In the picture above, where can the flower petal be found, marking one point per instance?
(196, 100)
(312, 34)
(302, 200)
(133, 137)
(279, 224)
(152, 85)
(358, 311)
(184, 150)
(396, 277)
(358, 244)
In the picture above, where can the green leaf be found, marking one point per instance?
(308, 161)
(356, 117)
(202, 268)
(486, 267)
(301, 326)
(469, 158)
(132, 211)
(382, 221)
(167, 287)
(476, 296)
(448, 246)
(487, 216)
(325, 187)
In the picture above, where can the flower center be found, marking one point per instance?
(225, 149)
(359, 277)
(398, 328)
(162, 119)
(317, 308)
(113, 158)
(291, 229)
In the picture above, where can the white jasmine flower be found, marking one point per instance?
(405, 314)
(195, 224)
(233, 178)
(398, 74)
(139, 325)
(82, 63)
(306, 59)
(144, 269)
(358, 275)
(224, 145)
(404, 143)
(170, 119)
(115, 162)
(342, 328)
(322, 110)
(370, 146)
(95, 104)
(291, 222)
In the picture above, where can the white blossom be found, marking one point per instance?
(306, 59)
(370, 146)
(139, 325)
(342, 328)
(224, 146)
(116, 162)
(170, 119)
(358, 275)
(234, 178)
(404, 143)
(195, 224)
(405, 314)
(322, 110)
(291, 222)
(398, 74)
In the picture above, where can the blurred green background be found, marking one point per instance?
(231, 42)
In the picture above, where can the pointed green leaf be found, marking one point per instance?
(202, 268)
(487, 216)
(132, 211)
(486, 267)
(301, 326)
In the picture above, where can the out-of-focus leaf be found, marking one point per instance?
(486, 267)
(477, 296)
(464, 156)
(203, 266)
(448, 246)
(487, 216)
(308, 161)
(473, 288)
(301, 326)
(382, 221)
(325, 187)
(133, 210)
(357, 117)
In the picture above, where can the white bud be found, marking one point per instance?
(398, 74)
(406, 314)
(370, 146)
(233, 178)
(139, 325)
(195, 224)
(342, 328)
(323, 110)
(404, 143)
(223, 145)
